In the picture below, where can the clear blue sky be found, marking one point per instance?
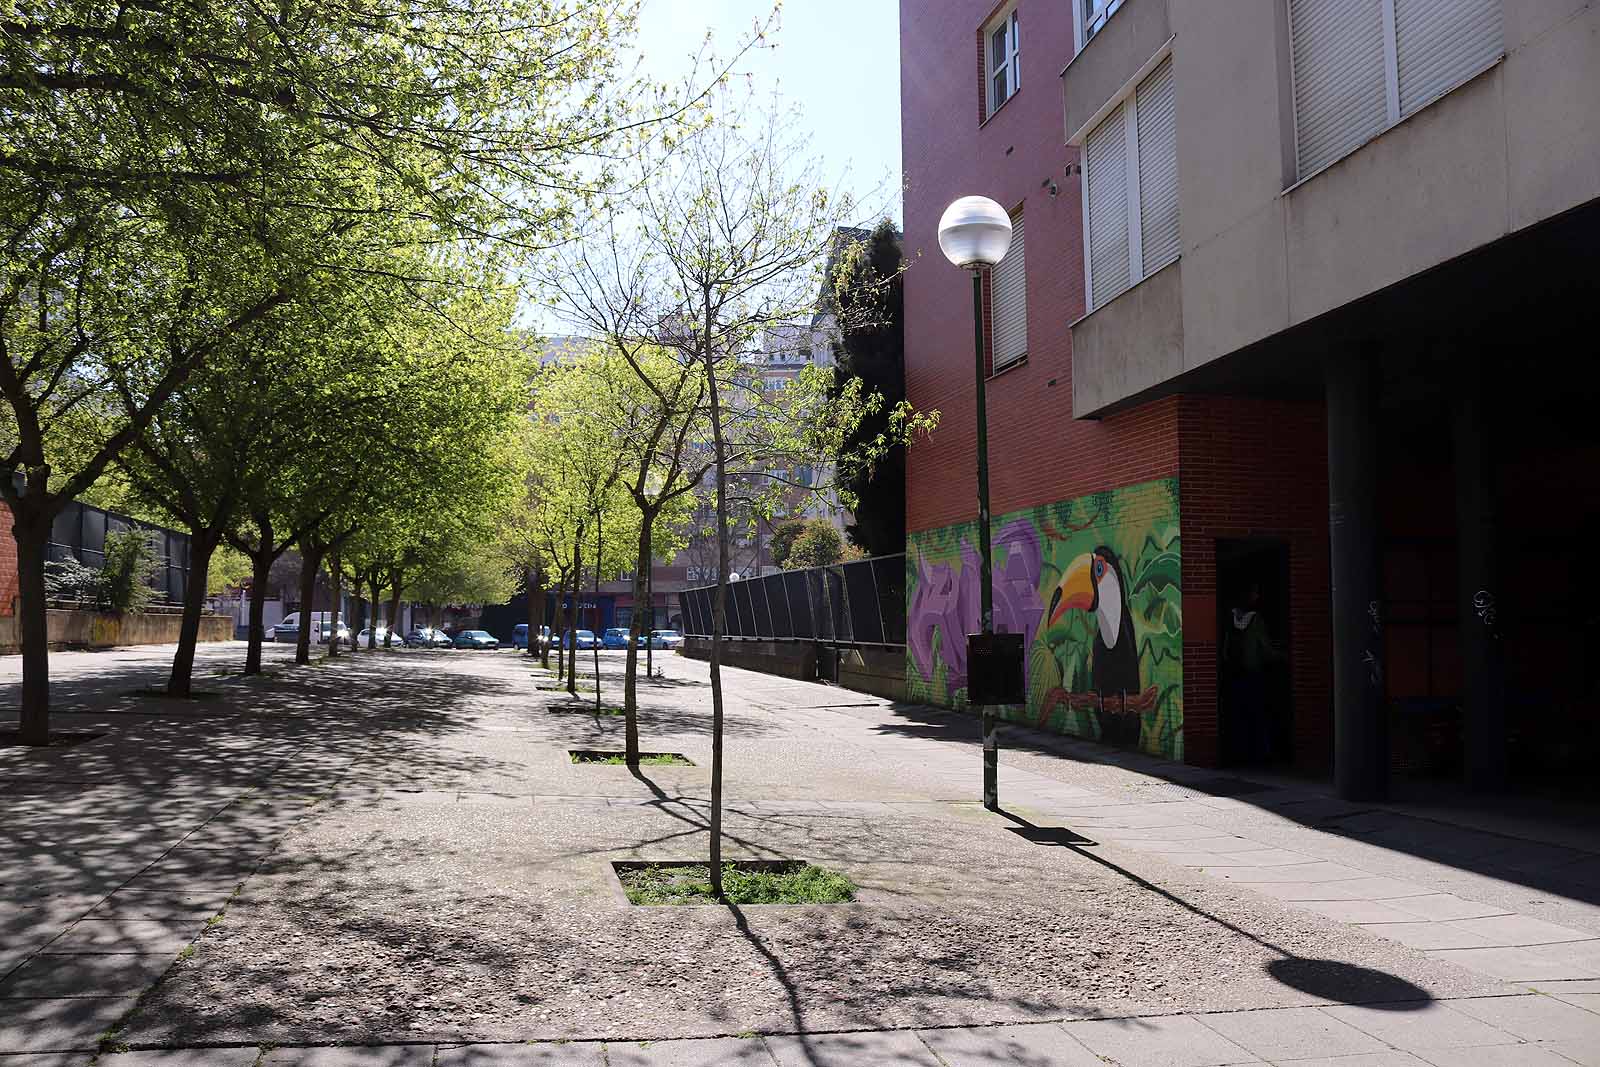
(838, 60)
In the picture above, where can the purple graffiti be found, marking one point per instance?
(947, 601)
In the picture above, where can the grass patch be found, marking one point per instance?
(617, 759)
(743, 882)
(584, 709)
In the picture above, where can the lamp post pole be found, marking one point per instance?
(974, 233)
(991, 739)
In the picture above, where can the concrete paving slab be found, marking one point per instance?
(1420, 1025)
(1425, 935)
(708, 1052)
(1038, 1045)
(189, 1057)
(74, 1023)
(1292, 1033)
(1263, 857)
(1586, 1001)
(357, 1056)
(48, 1059)
(1519, 964)
(1361, 912)
(1162, 1041)
(1583, 1055)
(84, 976)
(881, 1049)
(158, 936)
(535, 1054)
(1300, 891)
(1374, 887)
(1495, 1056)
(1441, 906)
(1320, 871)
(1511, 931)
(1534, 1018)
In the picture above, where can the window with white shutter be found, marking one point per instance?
(1008, 299)
(1004, 66)
(1130, 177)
(1360, 66)
(1158, 170)
(1105, 175)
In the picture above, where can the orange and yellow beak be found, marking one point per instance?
(1076, 591)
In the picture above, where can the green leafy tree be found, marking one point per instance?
(819, 544)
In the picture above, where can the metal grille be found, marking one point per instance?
(79, 532)
(862, 603)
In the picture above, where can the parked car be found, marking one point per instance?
(615, 637)
(476, 639)
(289, 629)
(383, 633)
(585, 639)
(519, 637)
(666, 639)
(428, 637)
(326, 635)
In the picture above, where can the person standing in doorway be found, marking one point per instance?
(1250, 654)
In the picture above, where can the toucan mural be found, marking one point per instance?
(1093, 585)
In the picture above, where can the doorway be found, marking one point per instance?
(1255, 699)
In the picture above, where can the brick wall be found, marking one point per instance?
(8, 572)
(1256, 468)
(1037, 453)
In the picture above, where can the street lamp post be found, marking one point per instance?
(974, 234)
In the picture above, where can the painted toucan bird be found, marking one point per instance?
(1094, 583)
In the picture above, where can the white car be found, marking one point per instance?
(383, 631)
(666, 639)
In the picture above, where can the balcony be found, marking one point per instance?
(1117, 54)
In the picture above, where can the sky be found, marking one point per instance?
(837, 60)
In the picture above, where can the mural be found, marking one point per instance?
(1093, 586)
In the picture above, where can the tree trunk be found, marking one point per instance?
(718, 624)
(202, 545)
(630, 676)
(260, 575)
(394, 608)
(535, 613)
(372, 624)
(599, 554)
(310, 564)
(572, 613)
(650, 625)
(32, 533)
(333, 613)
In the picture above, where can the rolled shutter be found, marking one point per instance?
(1008, 291)
(1340, 94)
(1441, 43)
(1105, 169)
(1158, 169)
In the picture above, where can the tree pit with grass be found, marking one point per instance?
(612, 758)
(743, 882)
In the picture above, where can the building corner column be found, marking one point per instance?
(1360, 714)
(1478, 588)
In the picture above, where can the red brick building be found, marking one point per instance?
(1160, 391)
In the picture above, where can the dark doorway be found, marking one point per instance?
(1255, 704)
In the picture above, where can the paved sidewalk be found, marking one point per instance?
(394, 855)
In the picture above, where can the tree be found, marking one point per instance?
(867, 294)
(173, 175)
(742, 233)
(819, 544)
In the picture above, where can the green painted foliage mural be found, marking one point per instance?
(1094, 585)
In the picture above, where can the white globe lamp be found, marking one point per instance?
(974, 232)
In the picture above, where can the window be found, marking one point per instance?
(1360, 66)
(1008, 303)
(1095, 13)
(1004, 71)
(1130, 176)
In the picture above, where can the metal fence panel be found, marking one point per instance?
(860, 602)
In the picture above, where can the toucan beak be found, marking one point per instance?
(1076, 591)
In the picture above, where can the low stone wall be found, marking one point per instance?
(787, 659)
(879, 671)
(94, 629)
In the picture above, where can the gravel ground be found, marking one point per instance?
(448, 878)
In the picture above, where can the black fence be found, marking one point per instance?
(79, 533)
(859, 603)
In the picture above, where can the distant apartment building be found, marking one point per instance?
(1291, 428)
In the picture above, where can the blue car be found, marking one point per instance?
(615, 637)
(519, 636)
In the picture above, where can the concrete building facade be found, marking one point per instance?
(1302, 292)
